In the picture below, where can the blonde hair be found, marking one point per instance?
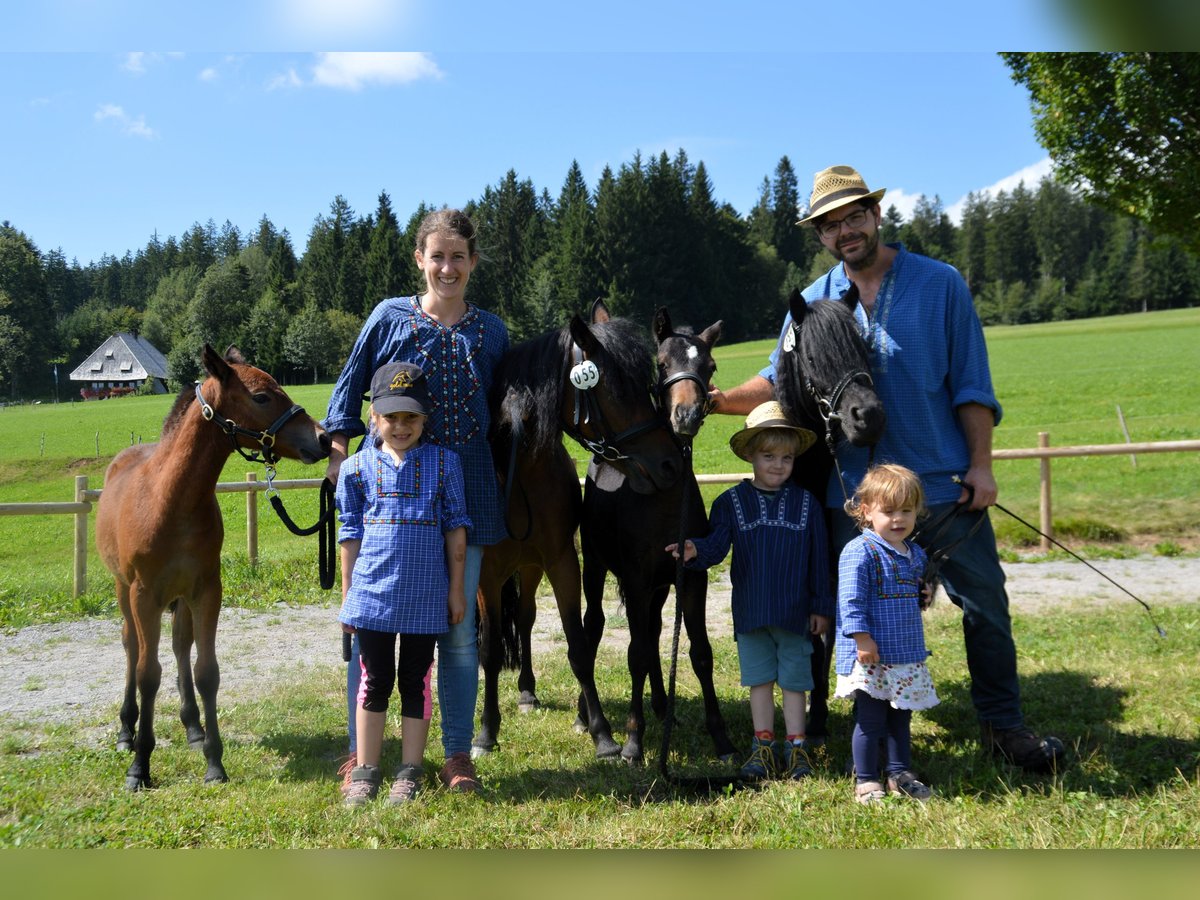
(886, 485)
(775, 440)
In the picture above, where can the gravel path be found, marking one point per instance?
(75, 671)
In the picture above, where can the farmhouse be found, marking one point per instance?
(120, 366)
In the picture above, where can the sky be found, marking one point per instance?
(106, 146)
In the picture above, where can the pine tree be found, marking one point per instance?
(386, 267)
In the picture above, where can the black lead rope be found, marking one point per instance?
(324, 525)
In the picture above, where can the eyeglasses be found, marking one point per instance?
(856, 219)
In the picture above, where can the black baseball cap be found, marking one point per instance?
(399, 387)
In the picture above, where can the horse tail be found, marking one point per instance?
(510, 605)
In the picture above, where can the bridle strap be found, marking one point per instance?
(608, 446)
(265, 438)
(686, 375)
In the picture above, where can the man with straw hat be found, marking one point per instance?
(930, 367)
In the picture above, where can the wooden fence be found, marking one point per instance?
(85, 497)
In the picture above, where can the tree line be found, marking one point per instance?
(649, 234)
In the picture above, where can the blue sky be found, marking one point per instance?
(106, 145)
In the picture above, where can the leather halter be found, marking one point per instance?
(588, 412)
(265, 439)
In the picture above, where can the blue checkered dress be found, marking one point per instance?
(400, 513)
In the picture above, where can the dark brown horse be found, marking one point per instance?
(534, 402)
(159, 531)
(624, 532)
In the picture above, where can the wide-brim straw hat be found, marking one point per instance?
(835, 187)
(764, 416)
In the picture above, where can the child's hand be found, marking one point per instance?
(347, 629)
(689, 551)
(458, 607)
(868, 650)
(927, 591)
(818, 624)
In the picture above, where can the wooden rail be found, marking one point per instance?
(252, 487)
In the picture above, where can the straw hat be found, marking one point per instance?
(764, 416)
(835, 187)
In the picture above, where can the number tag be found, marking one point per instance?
(585, 375)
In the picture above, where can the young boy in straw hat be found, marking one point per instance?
(780, 577)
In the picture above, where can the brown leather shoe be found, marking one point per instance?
(458, 774)
(1022, 747)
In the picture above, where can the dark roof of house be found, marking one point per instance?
(123, 357)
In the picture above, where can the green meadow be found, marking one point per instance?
(1125, 702)
(1064, 378)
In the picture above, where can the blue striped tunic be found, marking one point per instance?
(458, 362)
(400, 583)
(878, 593)
(928, 357)
(780, 569)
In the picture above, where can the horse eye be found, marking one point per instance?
(262, 397)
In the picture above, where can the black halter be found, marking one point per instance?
(588, 412)
(687, 375)
(266, 439)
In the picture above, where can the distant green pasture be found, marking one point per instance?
(1065, 378)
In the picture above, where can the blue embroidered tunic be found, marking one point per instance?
(458, 362)
(879, 593)
(400, 582)
(780, 569)
(928, 357)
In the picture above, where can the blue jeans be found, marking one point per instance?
(974, 581)
(458, 671)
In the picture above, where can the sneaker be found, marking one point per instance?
(458, 774)
(796, 763)
(906, 784)
(406, 785)
(1021, 747)
(364, 785)
(868, 792)
(761, 764)
(344, 771)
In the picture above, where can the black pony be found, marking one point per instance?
(823, 382)
(624, 532)
(533, 403)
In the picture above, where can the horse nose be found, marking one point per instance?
(685, 420)
(868, 421)
(669, 472)
(326, 442)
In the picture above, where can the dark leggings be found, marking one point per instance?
(377, 651)
(876, 720)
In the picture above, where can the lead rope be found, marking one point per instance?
(324, 525)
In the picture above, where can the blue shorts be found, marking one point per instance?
(774, 654)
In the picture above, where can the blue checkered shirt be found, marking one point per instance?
(458, 362)
(928, 357)
(400, 582)
(780, 569)
(879, 593)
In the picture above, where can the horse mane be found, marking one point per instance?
(829, 345)
(186, 397)
(530, 380)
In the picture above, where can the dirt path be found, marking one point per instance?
(75, 671)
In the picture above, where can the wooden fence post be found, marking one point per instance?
(79, 584)
(1047, 518)
(252, 520)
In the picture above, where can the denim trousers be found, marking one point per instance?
(974, 581)
(457, 667)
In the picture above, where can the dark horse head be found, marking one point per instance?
(685, 371)
(607, 407)
(823, 380)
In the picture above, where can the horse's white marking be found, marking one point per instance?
(692, 353)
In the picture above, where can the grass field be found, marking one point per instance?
(1065, 378)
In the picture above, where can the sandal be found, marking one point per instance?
(906, 784)
(868, 792)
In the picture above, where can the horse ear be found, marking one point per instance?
(850, 298)
(599, 311)
(582, 335)
(234, 355)
(662, 324)
(797, 305)
(214, 364)
(712, 333)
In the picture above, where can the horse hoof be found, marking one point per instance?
(528, 702)
(480, 752)
(135, 783)
(125, 744)
(608, 750)
(196, 744)
(632, 757)
(580, 726)
(216, 777)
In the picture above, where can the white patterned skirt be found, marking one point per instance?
(903, 685)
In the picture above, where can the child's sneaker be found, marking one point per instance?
(364, 785)
(906, 785)
(869, 792)
(796, 763)
(406, 785)
(761, 764)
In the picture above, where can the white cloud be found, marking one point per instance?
(288, 79)
(904, 202)
(1031, 175)
(339, 19)
(353, 71)
(137, 63)
(136, 127)
(209, 74)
